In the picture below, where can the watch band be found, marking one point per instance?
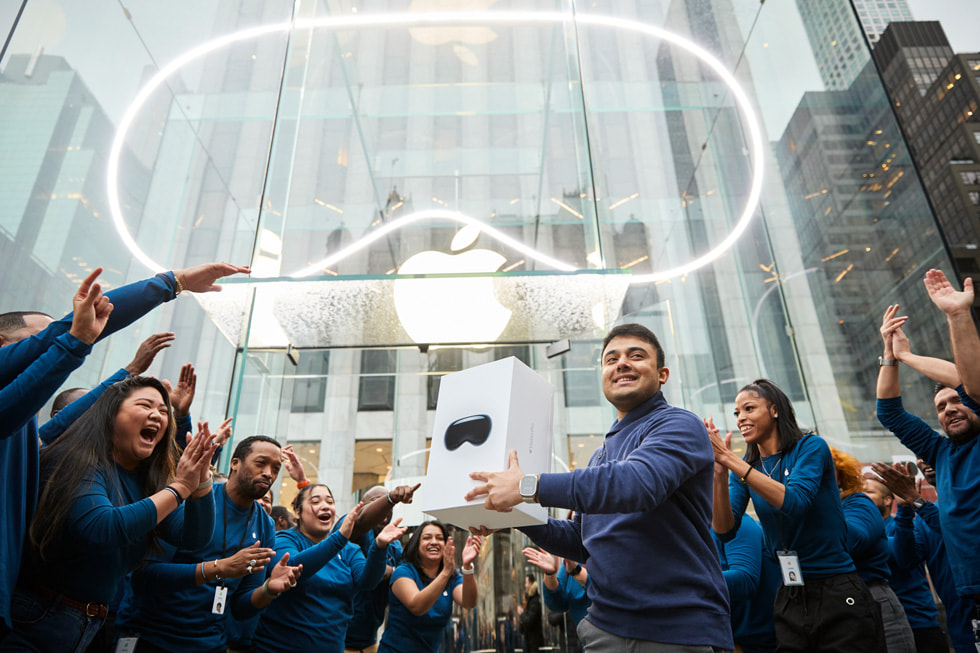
(886, 362)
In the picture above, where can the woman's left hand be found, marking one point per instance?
(471, 550)
(283, 577)
(390, 533)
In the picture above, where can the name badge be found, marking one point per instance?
(220, 599)
(789, 564)
(126, 644)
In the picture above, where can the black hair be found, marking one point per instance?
(280, 511)
(63, 398)
(301, 496)
(245, 446)
(939, 387)
(14, 320)
(637, 331)
(411, 552)
(787, 429)
(86, 448)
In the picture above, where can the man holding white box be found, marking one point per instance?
(643, 514)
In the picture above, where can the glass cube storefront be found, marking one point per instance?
(423, 186)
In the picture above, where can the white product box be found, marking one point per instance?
(482, 414)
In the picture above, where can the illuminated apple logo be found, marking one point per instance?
(451, 309)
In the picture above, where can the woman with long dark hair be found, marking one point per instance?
(822, 605)
(424, 587)
(111, 487)
(315, 614)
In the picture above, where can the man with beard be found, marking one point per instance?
(955, 457)
(177, 603)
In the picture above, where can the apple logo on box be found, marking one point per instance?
(452, 309)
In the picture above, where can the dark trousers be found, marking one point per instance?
(828, 615)
(930, 640)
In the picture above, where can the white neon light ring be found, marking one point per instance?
(439, 19)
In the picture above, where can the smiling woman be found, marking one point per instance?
(112, 486)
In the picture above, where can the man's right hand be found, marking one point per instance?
(147, 351)
(202, 278)
(889, 325)
(91, 310)
(949, 300)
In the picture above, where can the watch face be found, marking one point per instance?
(528, 486)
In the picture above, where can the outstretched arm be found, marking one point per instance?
(962, 332)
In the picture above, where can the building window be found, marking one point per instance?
(974, 197)
(971, 177)
(376, 389)
(520, 352)
(310, 382)
(441, 363)
(580, 376)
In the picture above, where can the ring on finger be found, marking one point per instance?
(252, 562)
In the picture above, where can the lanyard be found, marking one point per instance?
(224, 530)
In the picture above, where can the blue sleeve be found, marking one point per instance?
(915, 434)
(674, 450)
(96, 521)
(738, 496)
(906, 546)
(312, 558)
(165, 576)
(372, 571)
(968, 400)
(929, 513)
(67, 415)
(31, 388)
(130, 303)
(560, 537)
(811, 462)
(864, 524)
(191, 525)
(744, 554)
(556, 600)
(185, 425)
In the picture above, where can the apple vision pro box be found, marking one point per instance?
(482, 414)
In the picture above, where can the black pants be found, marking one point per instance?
(930, 640)
(829, 615)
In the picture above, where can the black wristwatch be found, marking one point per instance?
(575, 570)
(918, 504)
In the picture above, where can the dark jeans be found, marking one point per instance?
(829, 615)
(45, 624)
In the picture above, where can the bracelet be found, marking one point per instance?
(208, 484)
(471, 571)
(176, 494)
(389, 498)
(301, 484)
(217, 572)
(268, 592)
(180, 286)
(746, 475)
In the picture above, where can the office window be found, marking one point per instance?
(580, 375)
(310, 382)
(441, 362)
(376, 389)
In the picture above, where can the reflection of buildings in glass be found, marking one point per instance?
(937, 95)
(837, 40)
(856, 202)
(53, 205)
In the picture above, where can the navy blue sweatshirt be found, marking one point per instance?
(645, 497)
(866, 539)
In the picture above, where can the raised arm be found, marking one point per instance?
(465, 594)
(419, 601)
(962, 331)
(937, 369)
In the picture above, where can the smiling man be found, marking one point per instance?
(177, 602)
(642, 514)
(955, 457)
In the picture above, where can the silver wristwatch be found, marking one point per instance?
(529, 488)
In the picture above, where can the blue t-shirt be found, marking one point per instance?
(164, 603)
(957, 484)
(106, 536)
(752, 577)
(313, 616)
(811, 521)
(866, 539)
(570, 595)
(407, 633)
